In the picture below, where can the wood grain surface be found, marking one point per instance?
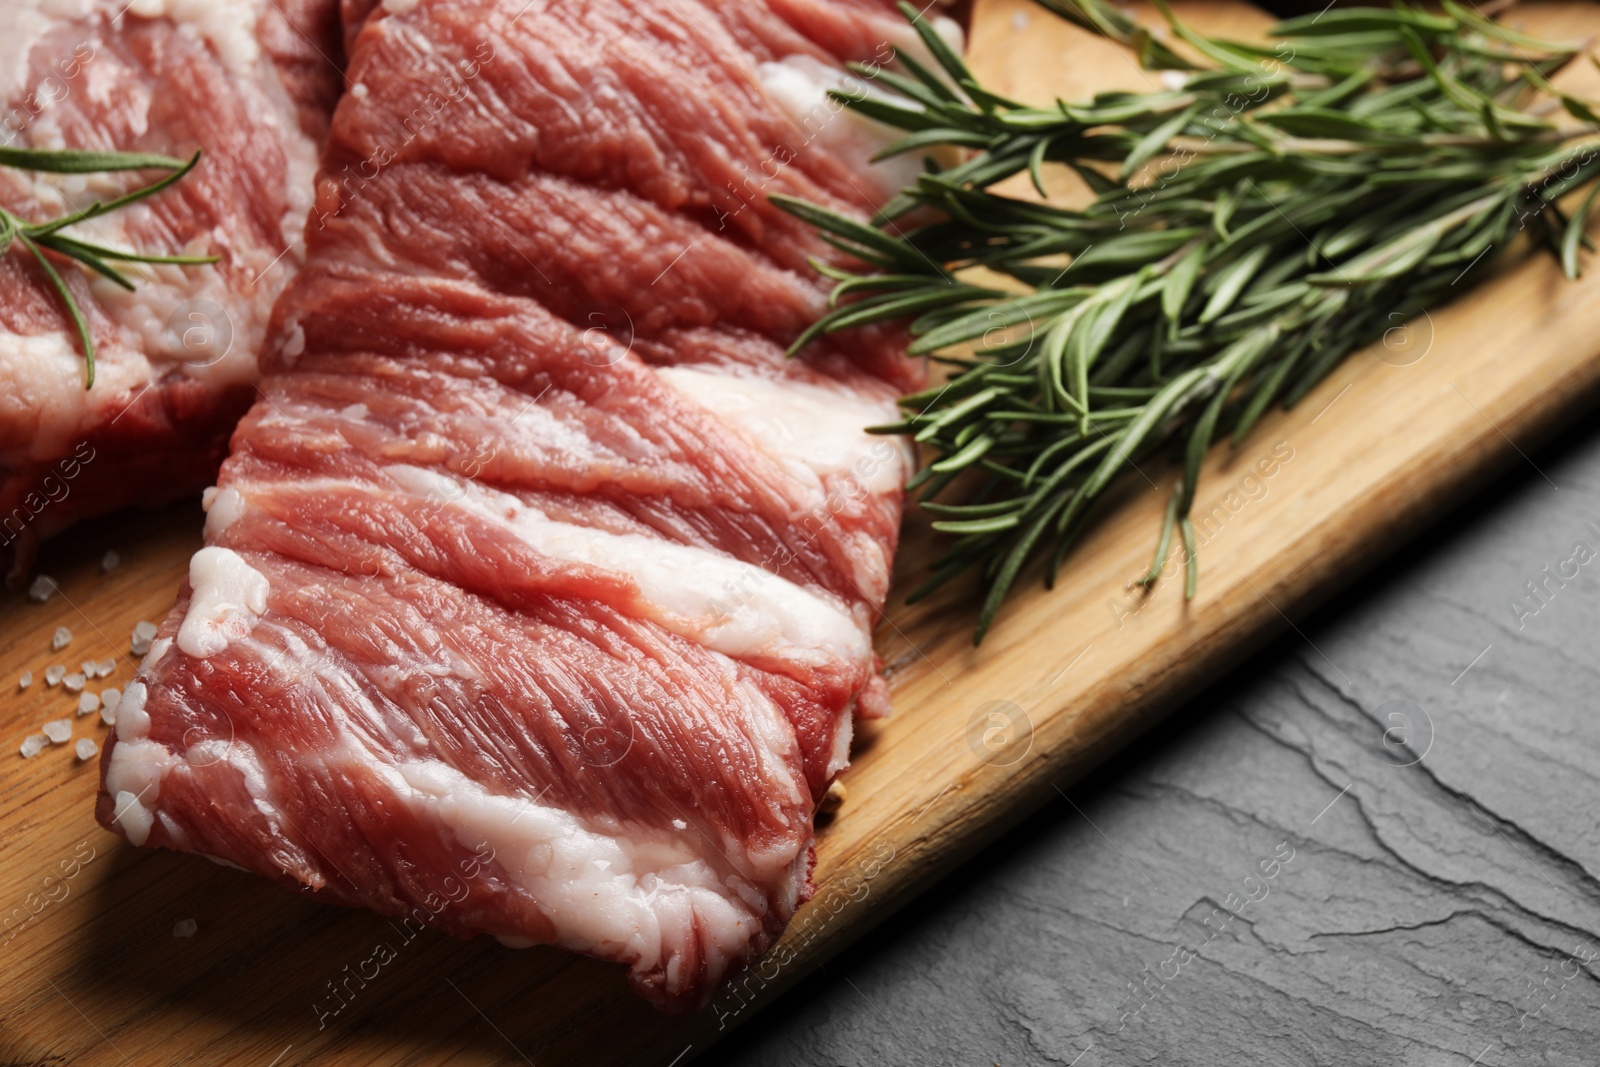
(92, 970)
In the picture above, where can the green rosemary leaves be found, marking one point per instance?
(40, 237)
(1254, 222)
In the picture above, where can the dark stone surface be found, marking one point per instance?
(1441, 906)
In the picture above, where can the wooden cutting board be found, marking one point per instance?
(93, 967)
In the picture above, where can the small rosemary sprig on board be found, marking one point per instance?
(1255, 223)
(39, 237)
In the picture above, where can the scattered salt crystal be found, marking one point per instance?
(43, 588)
(26, 680)
(107, 667)
(85, 748)
(59, 731)
(74, 682)
(143, 634)
(88, 704)
(109, 698)
(53, 675)
(90, 668)
(109, 715)
(33, 744)
(110, 561)
(62, 638)
(185, 928)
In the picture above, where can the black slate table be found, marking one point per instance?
(1376, 843)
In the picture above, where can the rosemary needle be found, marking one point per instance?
(40, 237)
(1275, 208)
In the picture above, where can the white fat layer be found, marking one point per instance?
(133, 722)
(772, 729)
(816, 431)
(948, 29)
(229, 25)
(839, 758)
(722, 603)
(27, 21)
(223, 509)
(799, 86)
(175, 833)
(136, 767)
(229, 596)
(158, 648)
(134, 818)
(41, 386)
(242, 757)
(183, 319)
(643, 894)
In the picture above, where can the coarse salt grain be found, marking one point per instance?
(85, 748)
(89, 668)
(33, 744)
(61, 639)
(109, 698)
(143, 634)
(74, 682)
(88, 704)
(43, 588)
(59, 731)
(110, 561)
(107, 667)
(26, 680)
(184, 928)
(53, 675)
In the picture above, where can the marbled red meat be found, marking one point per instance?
(538, 589)
(250, 81)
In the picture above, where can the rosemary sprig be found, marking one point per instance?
(1254, 223)
(40, 237)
